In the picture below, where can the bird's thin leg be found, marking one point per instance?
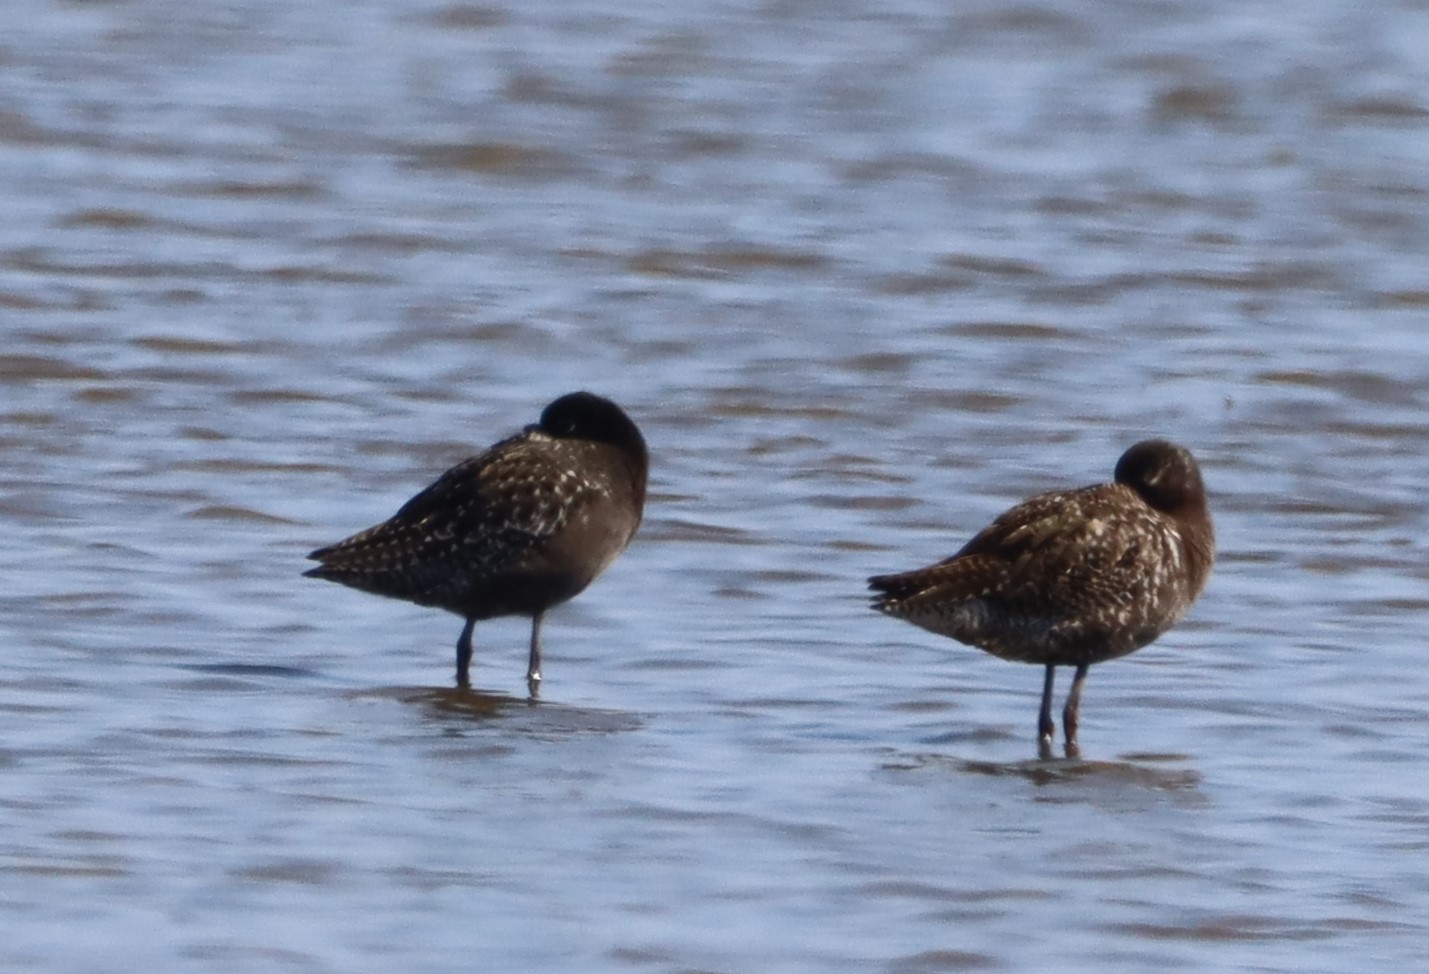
(1046, 730)
(533, 664)
(1074, 703)
(463, 654)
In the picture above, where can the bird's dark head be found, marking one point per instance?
(586, 416)
(1164, 474)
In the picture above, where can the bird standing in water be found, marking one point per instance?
(1072, 578)
(520, 528)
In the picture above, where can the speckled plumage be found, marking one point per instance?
(1072, 578)
(524, 526)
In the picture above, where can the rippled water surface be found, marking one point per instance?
(866, 273)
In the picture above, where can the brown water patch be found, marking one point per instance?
(257, 759)
(1394, 434)
(851, 544)
(762, 408)
(305, 872)
(220, 465)
(1058, 204)
(926, 891)
(224, 512)
(847, 467)
(779, 445)
(911, 164)
(1049, 27)
(1093, 292)
(466, 16)
(107, 219)
(993, 266)
(675, 663)
(17, 129)
(86, 835)
(699, 144)
(921, 706)
(788, 576)
(193, 346)
(26, 368)
(739, 593)
(1262, 277)
(887, 363)
(719, 262)
(495, 159)
(1375, 387)
(643, 957)
(539, 88)
(294, 190)
(29, 710)
(1196, 103)
(666, 54)
(675, 529)
(395, 242)
(100, 870)
(955, 400)
(40, 262)
(20, 302)
(294, 273)
(431, 879)
(203, 434)
(1381, 108)
(253, 670)
(1233, 927)
(932, 282)
(240, 956)
(100, 395)
(1413, 298)
(262, 396)
(1014, 331)
(932, 961)
(867, 502)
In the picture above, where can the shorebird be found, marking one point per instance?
(523, 526)
(1072, 578)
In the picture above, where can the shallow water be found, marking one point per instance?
(865, 274)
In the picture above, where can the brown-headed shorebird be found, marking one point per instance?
(520, 528)
(1074, 577)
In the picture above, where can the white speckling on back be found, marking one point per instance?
(493, 516)
(1068, 576)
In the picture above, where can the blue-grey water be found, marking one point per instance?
(866, 273)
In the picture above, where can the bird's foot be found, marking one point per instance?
(1046, 732)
